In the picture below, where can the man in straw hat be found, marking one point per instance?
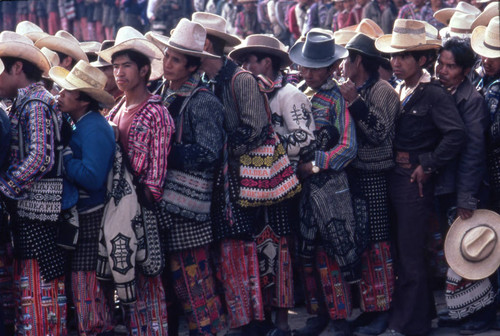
(373, 105)
(193, 160)
(87, 164)
(429, 134)
(66, 46)
(292, 119)
(144, 131)
(29, 184)
(325, 181)
(460, 183)
(245, 123)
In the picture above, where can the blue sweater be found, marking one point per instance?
(93, 146)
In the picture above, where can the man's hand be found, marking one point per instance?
(464, 213)
(348, 91)
(420, 177)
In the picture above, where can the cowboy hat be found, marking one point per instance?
(91, 47)
(485, 41)
(460, 25)
(366, 26)
(19, 46)
(30, 30)
(363, 44)
(472, 246)
(491, 10)
(158, 39)
(215, 26)
(63, 42)
(316, 30)
(317, 51)
(85, 78)
(188, 38)
(128, 38)
(99, 63)
(444, 15)
(53, 58)
(265, 44)
(407, 35)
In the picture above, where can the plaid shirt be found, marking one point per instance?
(149, 143)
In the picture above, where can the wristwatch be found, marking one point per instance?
(315, 169)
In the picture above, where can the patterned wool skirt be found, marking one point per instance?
(194, 285)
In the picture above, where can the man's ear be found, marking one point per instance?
(16, 68)
(422, 60)
(144, 70)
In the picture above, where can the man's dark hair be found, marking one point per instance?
(138, 58)
(275, 60)
(93, 104)
(370, 64)
(218, 44)
(461, 50)
(62, 56)
(32, 72)
(430, 56)
(193, 61)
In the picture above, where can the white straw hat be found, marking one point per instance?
(460, 25)
(485, 41)
(63, 42)
(489, 12)
(17, 45)
(215, 25)
(444, 15)
(30, 30)
(266, 44)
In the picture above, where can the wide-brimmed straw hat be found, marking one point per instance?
(90, 47)
(215, 25)
(407, 35)
(460, 25)
(265, 44)
(489, 12)
(472, 246)
(444, 15)
(53, 58)
(128, 38)
(485, 41)
(30, 30)
(366, 26)
(317, 51)
(187, 38)
(364, 44)
(99, 63)
(83, 77)
(63, 42)
(19, 46)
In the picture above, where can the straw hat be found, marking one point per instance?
(158, 39)
(317, 51)
(17, 45)
(99, 63)
(215, 25)
(472, 246)
(53, 57)
(366, 26)
(266, 44)
(63, 42)
(92, 47)
(489, 12)
(460, 25)
(407, 35)
(187, 38)
(83, 77)
(485, 41)
(30, 30)
(130, 38)
(444, 15)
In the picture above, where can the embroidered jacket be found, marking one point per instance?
(39, 156)
(149, 143)
(330, 109)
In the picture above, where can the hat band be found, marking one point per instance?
(82, 76)
(487, 45)
(409, 31)
(462, 251)
(177, 45)
(460, 30)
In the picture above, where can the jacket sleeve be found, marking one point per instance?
(40, 157)
(471, 165)
(445, 116)
(376, 122)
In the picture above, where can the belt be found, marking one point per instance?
(404, 160)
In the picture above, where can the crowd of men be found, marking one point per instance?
(191, 172)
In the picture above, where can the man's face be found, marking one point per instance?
(174, 67)
(110, 83)
(404, 65)
(447, 71)
(127, 74)
(491, 66)
(315, 77)
(253, 65)
(8, 87)
(68, 102)
(348, 68)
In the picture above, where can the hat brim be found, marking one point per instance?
(58, 74)
(445, 32)
(444, 15)
(298, 58)
(26, 52)
(35, 36)
(63, 45)
(477, 44)
(485, 17)
(468, 269)
(239, 52)
(164, 41)
(100, 63)
(383, 44)
(230, 40)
